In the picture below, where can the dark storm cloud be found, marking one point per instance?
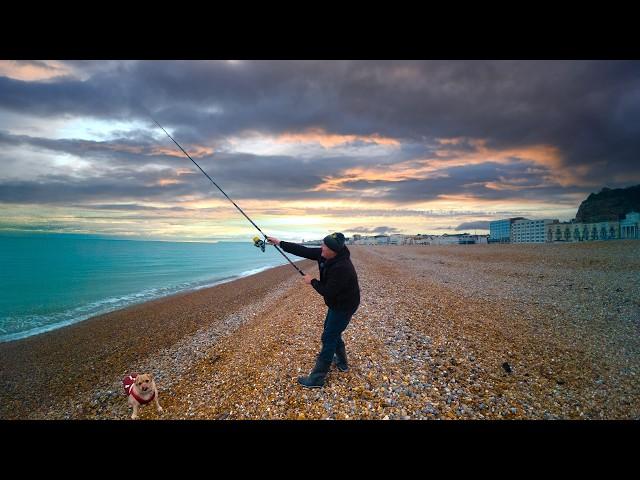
(129, 207)
(479, 225)
(52, 190)
(589, 110)
(469, 180)
(240, 175)
(401, 98)
(63, 97)
(119, 174)
(118, 151)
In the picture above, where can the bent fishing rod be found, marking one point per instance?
(256, 240)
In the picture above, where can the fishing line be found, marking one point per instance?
(256, 240)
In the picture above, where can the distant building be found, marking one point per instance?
(446, 239)
(419, 239)
(630, 226)
(372, 240)
(530, 231)
(581, 232)
(397, 239)
(381, 240)
(479, 239)
(458, 239)
(515, 230)
(466, 239)
(500, 230)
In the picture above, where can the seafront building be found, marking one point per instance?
(529, 231)
(630, 226)
(581, 232)
(518, 229)
(500, 230)
(398, 239)
(627, 228)
(553, 230)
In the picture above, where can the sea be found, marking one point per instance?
(48, 281)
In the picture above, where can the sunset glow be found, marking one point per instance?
(381, 147)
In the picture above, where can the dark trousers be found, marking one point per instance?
(334, 324)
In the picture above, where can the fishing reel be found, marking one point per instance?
(258, 242)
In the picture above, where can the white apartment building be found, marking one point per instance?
(397, 239)
(530, 231)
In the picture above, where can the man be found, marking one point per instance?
(338, 285)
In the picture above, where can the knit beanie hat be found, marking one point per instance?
(335, 241)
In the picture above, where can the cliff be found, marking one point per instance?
(609, 204)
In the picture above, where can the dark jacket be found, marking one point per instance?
(338, 282)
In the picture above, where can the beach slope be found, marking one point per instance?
(450, 332)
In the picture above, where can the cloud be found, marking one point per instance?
(29, 70)
(588, 110)
(358, 136)
(479, 225)
(374, 231)
(130, 207)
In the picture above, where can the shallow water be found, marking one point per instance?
(48, 281)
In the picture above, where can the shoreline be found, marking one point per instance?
(56, 326)
(64, 363)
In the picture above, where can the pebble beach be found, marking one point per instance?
(469, 332)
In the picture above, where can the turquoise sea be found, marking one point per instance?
(51, 280)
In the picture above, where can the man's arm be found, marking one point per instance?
(299, 250)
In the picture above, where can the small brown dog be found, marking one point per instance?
(141, 389)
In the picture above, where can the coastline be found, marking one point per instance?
(149, 298)
(434, 331)
(69, 361)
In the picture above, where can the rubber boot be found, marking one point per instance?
(316, 377)
(340, 359)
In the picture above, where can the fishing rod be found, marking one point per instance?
(256, 240)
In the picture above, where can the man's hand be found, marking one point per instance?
(307, 279)
(273, 241)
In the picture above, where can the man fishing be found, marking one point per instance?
(338, 285)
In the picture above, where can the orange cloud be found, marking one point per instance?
(194, 150)
(32, 71)
(547, 157)
(167, 181)
(511, 184)
(392, 173)
(330, 140)
(450, 141)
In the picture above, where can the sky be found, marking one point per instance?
(306, 148)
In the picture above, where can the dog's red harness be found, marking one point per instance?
(128, 382)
